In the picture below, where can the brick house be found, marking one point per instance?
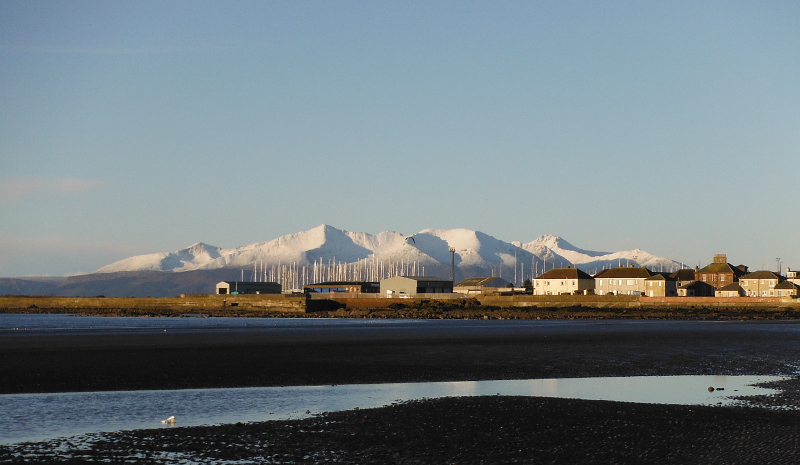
(720, 273)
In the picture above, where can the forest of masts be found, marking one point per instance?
(295, 276)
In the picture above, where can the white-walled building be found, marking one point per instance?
(560, 281)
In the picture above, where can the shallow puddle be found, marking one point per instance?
(34, 417)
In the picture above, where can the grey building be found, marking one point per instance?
(350, 287)
(411, 286)
(481, 285)
(248, 287)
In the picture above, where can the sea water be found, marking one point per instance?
(30, 417)
(33, 417)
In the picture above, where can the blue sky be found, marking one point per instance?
(138, 127)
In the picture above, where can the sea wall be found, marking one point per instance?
(191, 303)
(558, 301)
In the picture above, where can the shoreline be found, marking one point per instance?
(406, 351)
(465, 430)
(491, 429)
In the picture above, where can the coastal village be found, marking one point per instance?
(719, 279)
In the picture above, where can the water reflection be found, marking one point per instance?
(30, 417)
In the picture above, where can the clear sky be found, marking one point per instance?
(133, 127)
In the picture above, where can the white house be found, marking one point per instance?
(560, 281)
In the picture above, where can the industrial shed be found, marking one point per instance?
(412, 286)
(350, 287)
(248, 287)
(481, 285)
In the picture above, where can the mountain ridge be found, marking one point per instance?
(327, 253)
(476, 253)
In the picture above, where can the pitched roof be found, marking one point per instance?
(731, 287)
(787, 285)
(686, 274)
(713, 268)
(494, 281)
(661, 277)
(340, 283)
(424, 278)
(761, 275)
(625, 272)
(565, 273)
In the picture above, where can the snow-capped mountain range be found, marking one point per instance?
(326, 252)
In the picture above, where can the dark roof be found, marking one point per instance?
(787, 285)
(714, 268)
(661, 277)
(341, 283)
(731, 287)
(761, 275)
(565, 273)
(625, 272)
(424, 278)
(483, 281)
(697, 284)
(252, 283)
(684, 275)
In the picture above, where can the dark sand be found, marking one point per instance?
(465, 430)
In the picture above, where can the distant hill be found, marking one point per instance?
(122, 284)
(327, 253)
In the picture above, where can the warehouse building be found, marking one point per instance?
(248, 287)
(412, 286)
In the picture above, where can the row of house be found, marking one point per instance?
(718, 279)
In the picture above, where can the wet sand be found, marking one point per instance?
(465, 430)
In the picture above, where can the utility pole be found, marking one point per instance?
(453, 264)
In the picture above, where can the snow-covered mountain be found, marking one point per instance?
(592, 261)
(325, 252)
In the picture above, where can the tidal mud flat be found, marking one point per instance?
(491, 429)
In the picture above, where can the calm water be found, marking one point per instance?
(28, 417)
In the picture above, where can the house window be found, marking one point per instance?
(771, 282)
(630, 282)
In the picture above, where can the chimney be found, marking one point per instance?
(720, 258)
